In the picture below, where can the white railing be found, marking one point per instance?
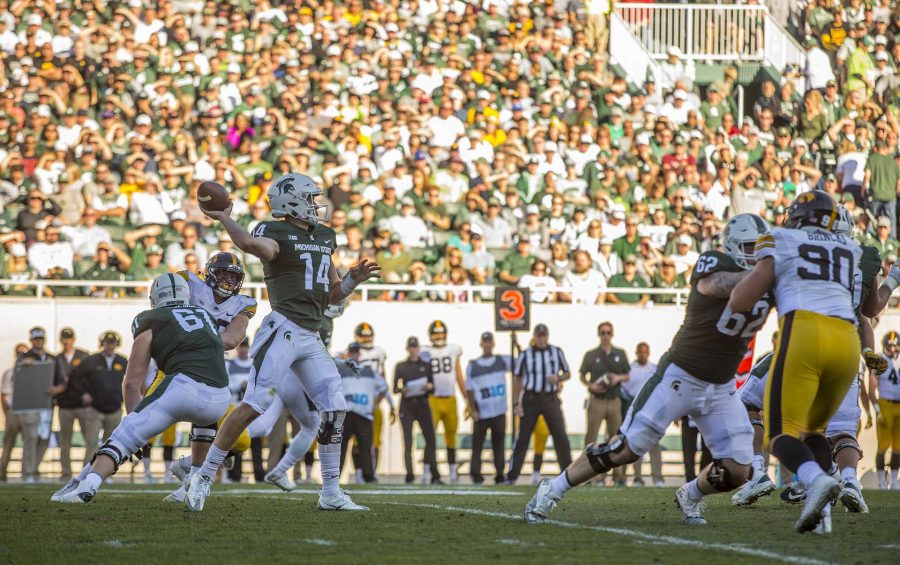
(712, 32)
(630, 53)
(367, 292)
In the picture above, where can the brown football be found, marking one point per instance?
(213, 196)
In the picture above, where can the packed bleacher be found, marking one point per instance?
(458, 142)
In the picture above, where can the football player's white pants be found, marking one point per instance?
(716, 408)
(177, 399)
(290, 395)
(753, 391)
(282, 347)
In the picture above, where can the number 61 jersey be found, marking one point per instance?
(814, 270)
(710, 346)
(185, 340)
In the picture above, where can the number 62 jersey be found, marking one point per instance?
(710, 345)
(815, 270)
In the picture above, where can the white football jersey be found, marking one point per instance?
(889, 381)
(815, 270)
(373, 358)
(443, 367)
(202, 296)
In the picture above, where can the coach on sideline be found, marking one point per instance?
(537, 375)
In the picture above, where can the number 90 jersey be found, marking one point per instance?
(815, 270)
(706, 347)
(185, 340)
(443, 367)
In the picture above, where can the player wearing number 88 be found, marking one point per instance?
(185, 342)
(811, 271)
(695, 378)
(301, 280)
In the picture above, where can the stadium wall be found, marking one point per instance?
(572, 327)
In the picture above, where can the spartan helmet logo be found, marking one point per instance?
(285, 187)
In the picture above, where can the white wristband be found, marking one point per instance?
(867, 350)
(348, 285)
(893, 279)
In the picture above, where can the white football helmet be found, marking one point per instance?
(740, 235)
(296, 195)
(170, 290)
(844, 224)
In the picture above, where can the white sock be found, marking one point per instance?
(693, 490)
(808, 472)
(848, 474)
(560, 485)
(427, 471)
(894, 476)
(759, 463)
(330, 466)
(85, 471)
(93, 480)
(826, 511)
(146, 462)
(296, 450)
(213, 460)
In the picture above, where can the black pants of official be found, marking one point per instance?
(360, 428)
(497, 426)
(689, 450)
(548, 406)
(414, 410)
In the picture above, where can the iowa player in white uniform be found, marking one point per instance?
(811, 270)
(884, 391)
(695, 378)
(301, 279)
(218, 292)
(373, 357)
(186, 343)
(448, 375)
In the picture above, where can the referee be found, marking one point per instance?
(537, 373)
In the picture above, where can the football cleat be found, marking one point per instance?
(66, 489)
(180, 468)
(793, 493)
(197, 492)
(851, 497)
(753, 490)
(541, 504)
(821, 492)
(80, 495)
(339, 500)
(178, 495)
(824, 525)
(692, 509)
(280, 480)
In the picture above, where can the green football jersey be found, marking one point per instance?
(870, 267)
(709, 349)
(298, 279)
(185, 340)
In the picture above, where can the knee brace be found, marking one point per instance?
(331, 428)
(206, 434)
(116, 452)
(721, 478)
(842, 442)
(600, 455)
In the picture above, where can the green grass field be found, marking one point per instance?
(247, 524)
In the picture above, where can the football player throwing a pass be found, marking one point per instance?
(301, 280)
(696, 378)
(811, 271)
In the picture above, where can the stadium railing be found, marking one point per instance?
(429, 292)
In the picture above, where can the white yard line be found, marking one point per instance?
(314, 541)
(363, 492)
(663, 540)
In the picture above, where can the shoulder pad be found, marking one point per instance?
(264, 229)
(249, 309)
(141, 322)
(186, 275)
(713, 262)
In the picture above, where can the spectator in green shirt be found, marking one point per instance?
(667, 277)
(394, 260)
(629, 243)
(882, 182)
(517, 263)
(627, 279)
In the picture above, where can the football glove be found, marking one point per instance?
(875, 361)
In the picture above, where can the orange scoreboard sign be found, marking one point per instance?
(512, 309)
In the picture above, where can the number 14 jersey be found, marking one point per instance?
(814, 270)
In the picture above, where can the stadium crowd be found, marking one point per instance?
(457, 142)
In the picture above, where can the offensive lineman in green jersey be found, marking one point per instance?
(185, 342)
(302, 281)
(696, 379)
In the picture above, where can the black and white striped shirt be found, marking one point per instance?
(534, 366)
